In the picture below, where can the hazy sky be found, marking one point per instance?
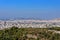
(43, 9)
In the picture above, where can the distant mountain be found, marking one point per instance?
(56, 19)
(5, 19)
(20, 19)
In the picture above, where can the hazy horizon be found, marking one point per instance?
(42, 9)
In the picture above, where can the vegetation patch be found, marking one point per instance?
(15, 33)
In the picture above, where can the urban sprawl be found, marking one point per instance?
(29, 23)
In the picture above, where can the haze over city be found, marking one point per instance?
(42, 9)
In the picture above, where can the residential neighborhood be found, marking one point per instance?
(29, 23)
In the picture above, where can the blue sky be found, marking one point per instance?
(43, 9)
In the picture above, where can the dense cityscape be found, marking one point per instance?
(29, 23)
